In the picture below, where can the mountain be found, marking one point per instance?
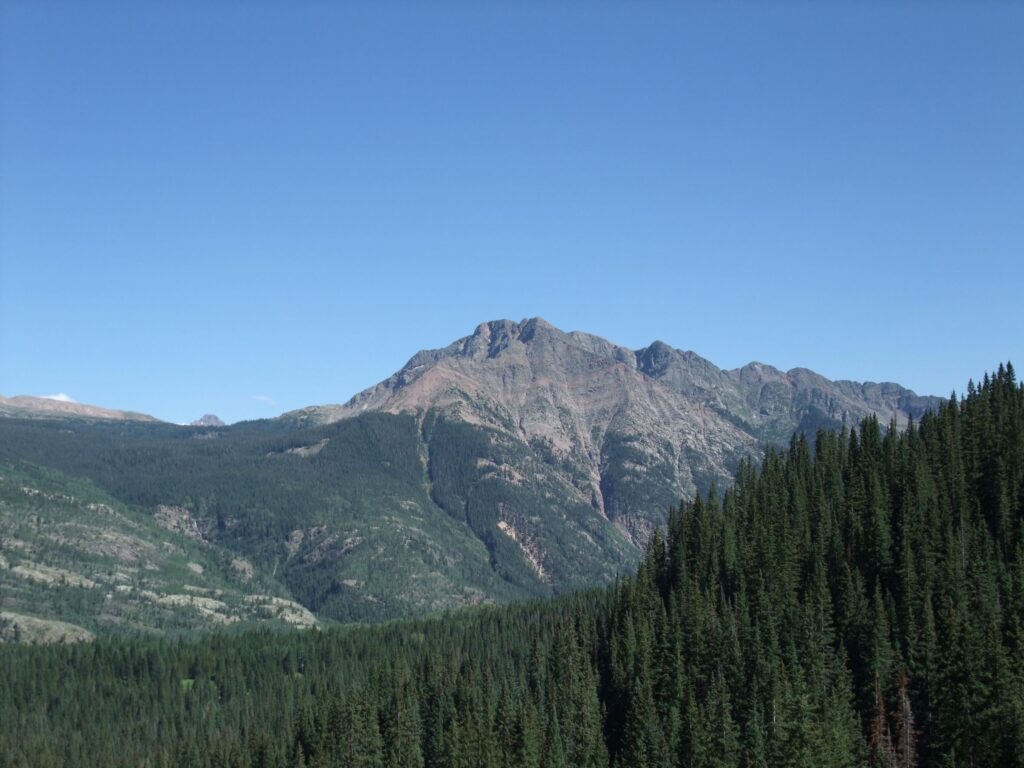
(513, 366)
(518, 461)
(26, 406)
(208, 420)
(630, 430)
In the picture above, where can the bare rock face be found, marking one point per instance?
(179, 520)
(16, 628)
(622, 423)
(207, 420)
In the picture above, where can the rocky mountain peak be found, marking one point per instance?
(490, 339)
(207, 420)
(655, 359)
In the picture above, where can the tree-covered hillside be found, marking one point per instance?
(375, 517)
(859, 602)
(856, 602)
(75, 561)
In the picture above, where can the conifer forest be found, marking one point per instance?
(856, 599)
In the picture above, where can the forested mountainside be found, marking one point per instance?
(854, 600)
(366, 519)
(518, 462)
(74, 561)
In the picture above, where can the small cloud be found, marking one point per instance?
(265, 399)
(60, 397)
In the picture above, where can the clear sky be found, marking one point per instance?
(244, 209)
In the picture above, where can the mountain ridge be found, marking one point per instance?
(608, 411)
(517, 461)
(534, 381)
(654, 360)
(497, 334)
(30, 406)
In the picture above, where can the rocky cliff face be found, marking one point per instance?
(207, 420)
(631, 430)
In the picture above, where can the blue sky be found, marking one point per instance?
(247, 209)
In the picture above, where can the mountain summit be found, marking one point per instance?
(617, 418)
(207, 420)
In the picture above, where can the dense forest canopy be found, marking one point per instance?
(856, 601)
